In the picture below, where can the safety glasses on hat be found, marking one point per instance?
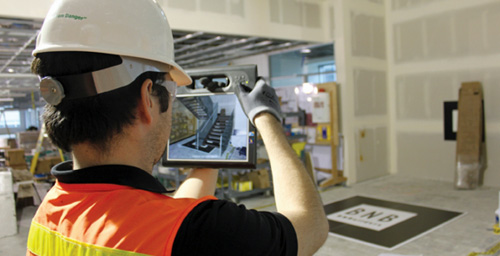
(171, 88)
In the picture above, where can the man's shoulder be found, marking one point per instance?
(222, 222)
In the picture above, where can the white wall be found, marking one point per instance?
(26, 9)
(435, 45)
(360, 56)
(272, 18)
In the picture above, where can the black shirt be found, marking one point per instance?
(214, 227)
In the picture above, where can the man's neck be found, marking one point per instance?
(86, 155)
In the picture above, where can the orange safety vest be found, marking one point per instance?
(105, 220)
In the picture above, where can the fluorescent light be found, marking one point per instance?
(307, 88)
(6, 99)
(305, 50)
(264, 43)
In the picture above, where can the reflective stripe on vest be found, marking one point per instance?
(42, 241)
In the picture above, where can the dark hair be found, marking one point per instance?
(96, 119)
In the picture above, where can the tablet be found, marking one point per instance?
(209, 126)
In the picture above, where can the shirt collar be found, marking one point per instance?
(112, 174)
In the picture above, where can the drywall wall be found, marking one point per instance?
(435, 45)
(362, 68)
(26, 9)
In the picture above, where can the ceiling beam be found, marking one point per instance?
(187, 37)
(240, 54)
(17, 75)
(196, 45)
(217, 48)
(32, 38)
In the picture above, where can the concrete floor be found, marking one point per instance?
(471, 232)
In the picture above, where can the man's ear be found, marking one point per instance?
(145, 106)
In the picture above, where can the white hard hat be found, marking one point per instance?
(129, 28)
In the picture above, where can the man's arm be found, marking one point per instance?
(199, 183)
(295, 193)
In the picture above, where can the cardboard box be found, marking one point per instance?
(14, 157)
(242, 183)
(260, 179)
(28, 140)
(23, 190)
(27, 137)
(469, 136)
(54, 160)
(21, 175)
(8, 143)
(12, 143)
(28, 148)
(19, 167)
(45, 164)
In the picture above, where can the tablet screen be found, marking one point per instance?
(210, 128)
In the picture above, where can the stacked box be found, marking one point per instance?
(23, 190)
(8, 143)
(242, 183)
(28, 140)
(28, 137)
(45, 164)
(14, 157)
(260, 179)
(19, 166)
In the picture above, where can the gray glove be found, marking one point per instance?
(262, 98)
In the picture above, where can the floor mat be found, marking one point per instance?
(382, 223)
(192, 144)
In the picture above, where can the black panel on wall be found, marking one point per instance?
(449, 107)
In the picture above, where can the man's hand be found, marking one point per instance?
(260, 99)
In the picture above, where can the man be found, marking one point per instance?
(108, 74)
